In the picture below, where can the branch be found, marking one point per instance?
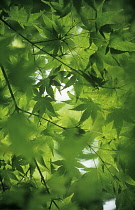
(2, 184)
(9, 86)
(102, 161)
(41, 175)
(15, 30)
(111, 150)
(44, 183)
(15, 104)
(33, 44)
(23, 176)
(36, 115)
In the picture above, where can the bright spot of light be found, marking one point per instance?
(109, 205)
(63, 94)
(89, 163)
(79, 30)
(18, 43)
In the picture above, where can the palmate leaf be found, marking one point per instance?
(118, 44)
(19, 15)
(97, 39)
(77, 4)
(80, 107)
(40, 159)
(86, 114)
(91, 4)
(50, 91)
(90, 109)
(106, 18)
(49, 106)
(42, 105)
(70, 82)
(63, 8)
(118, 116)
(94, 80)
(19, 130)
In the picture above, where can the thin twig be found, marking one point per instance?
(44, 41)
(14, 100)
(101, 160)
(36, 115)
(9, 86)
(15, 30)
(110, 150)
(41, 175)
(2, 184)
(44, 183)
(25, 175)
(32, 43)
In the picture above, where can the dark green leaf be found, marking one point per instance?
(80, 107)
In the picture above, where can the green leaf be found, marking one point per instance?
(86, 114)
(41, 161)
(49, 106)
(77, 4)
(129, 180)
(12, 175)
(70, 82)
(50, 91)
(58, 162)
(80, 107)
(19, 15)
(118, 44)
(19, 131)
(91, 4)
(118, 116)
(106, 18)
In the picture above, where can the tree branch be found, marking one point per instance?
(36, 115)
(33, 44)
(9, 86)
(44, 182)
(15, 104)
(2, 184)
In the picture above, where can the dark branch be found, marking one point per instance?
(2, 184)
(44, 182)
(42, 177)
(33, 44)
(15, 30)
(9, 87)
(36, 115)
(17, 108)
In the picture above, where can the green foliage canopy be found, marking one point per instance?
(46, 47)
